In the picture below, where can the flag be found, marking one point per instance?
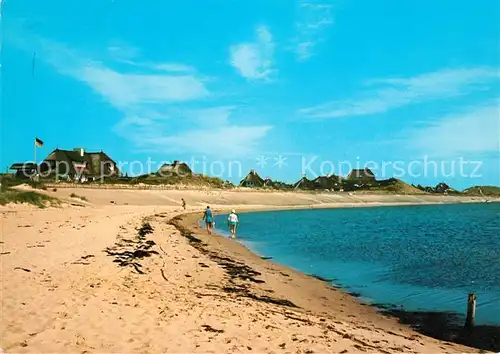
(38, 142)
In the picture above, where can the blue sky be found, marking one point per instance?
(280, 86)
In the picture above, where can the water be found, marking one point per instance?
(418, 257)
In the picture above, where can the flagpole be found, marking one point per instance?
(34, 155)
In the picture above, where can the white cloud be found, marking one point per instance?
(124, 90)
(313, 20)
(174, 67)
(122, 53)
(254, 60)
(130, 55)
(228, 141)
(304, 50)
(475, 132)
(221, 140)
(213, 116)
(386, 94)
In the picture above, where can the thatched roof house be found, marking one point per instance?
(440, 188)
(252, 180)
(279, 185)
(77, 161)
(443, 188)
(175, 168)
(24, 169)
(365, 176)
(328, 182)
(304, 183)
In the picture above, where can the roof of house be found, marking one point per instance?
(95, 161)
(304, 183)
(65, 155)
(442, 187)
(361, 173)
(23, 166)
(328, 181)
(175, 167)
(252, 178)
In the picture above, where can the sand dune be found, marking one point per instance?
(73, 280)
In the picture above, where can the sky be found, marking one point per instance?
(410, 89)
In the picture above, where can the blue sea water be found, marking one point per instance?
(417, 257)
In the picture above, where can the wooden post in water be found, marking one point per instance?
(471, 311)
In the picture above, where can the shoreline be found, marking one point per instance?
(440, 325)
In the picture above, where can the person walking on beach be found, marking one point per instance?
(232, 221)
(209, 219)
(183, 203)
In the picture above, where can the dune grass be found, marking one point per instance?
(9, 195)
(155, 179)
(73, 195)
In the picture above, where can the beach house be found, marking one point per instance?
(328, 182)
(252, 180)
(78, 164)
(305, 183)
(175, 168)
(444, 188)
(23, 169)
(362, 176)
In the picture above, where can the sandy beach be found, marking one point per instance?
(126, 271)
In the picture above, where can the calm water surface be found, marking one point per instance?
(419, 257)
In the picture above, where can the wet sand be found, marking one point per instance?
(444, 326)
(110, 277)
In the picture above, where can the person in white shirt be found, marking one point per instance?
(232, 221)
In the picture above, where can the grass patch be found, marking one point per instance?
(173, 179)
(9, 180)
(14, 196)
(73, 195)
(490, 191)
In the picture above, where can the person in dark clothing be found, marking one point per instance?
(209, 219)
